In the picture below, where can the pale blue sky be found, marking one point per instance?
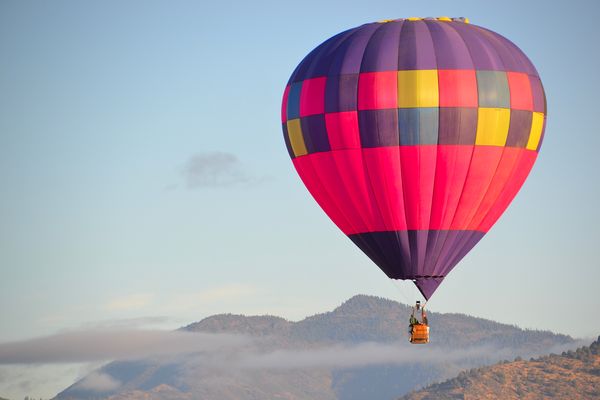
(104, 105)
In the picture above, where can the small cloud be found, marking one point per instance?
(131, 302)
(99, 382)
(215, 169)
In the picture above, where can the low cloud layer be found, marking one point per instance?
(108, 344)
(227, 350)
(366, 354)
(215, 169)
(45, 362)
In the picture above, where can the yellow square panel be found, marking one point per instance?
(296, 138)
(537, 124)
(492, 126)
(418, 88)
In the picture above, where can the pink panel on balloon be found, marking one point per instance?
(511, 189)
(355, 191)
(418, 176)
(313, 180)
(521, 97)
(342, 177)
(452, 166)
(385, 175)
(415, 187)
(504, 173)
(481, 172)
(342, 130)
(312, 97)
(378, 90)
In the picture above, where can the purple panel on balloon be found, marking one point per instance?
(450, 50)
(513, 59)
(315, 133)
(539, 99)
(519, 128)
(341, 93)
(381, 53)
(424, 256)
(427, 286)
(378, 128)
(316, 63)
(416, 47)
(481, 51)
(458, 125)
(353, 49)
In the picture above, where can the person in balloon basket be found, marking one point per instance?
(413, 320)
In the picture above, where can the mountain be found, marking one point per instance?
(357, 351)
(572, 375)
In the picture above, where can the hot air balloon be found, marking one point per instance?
(414, 135)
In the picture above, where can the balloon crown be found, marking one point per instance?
(448, 19)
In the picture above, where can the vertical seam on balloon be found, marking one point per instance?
(371, 194)
(458, 250)
(339, 74)
(410, 255)
(415, 263)
(402, 186)
(402, 173)
(437, 267)
(336, 163)
(314, 171)
(397, 233)
(429, 234)
(365, 243)
(335, 202)
(443, 244)
(436, 158)
(470, 221)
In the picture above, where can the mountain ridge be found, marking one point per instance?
(573, 375)
(359, 308)
(355, 322)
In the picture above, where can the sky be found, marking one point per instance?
(145, 181)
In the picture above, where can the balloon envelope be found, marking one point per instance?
(414, 136)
